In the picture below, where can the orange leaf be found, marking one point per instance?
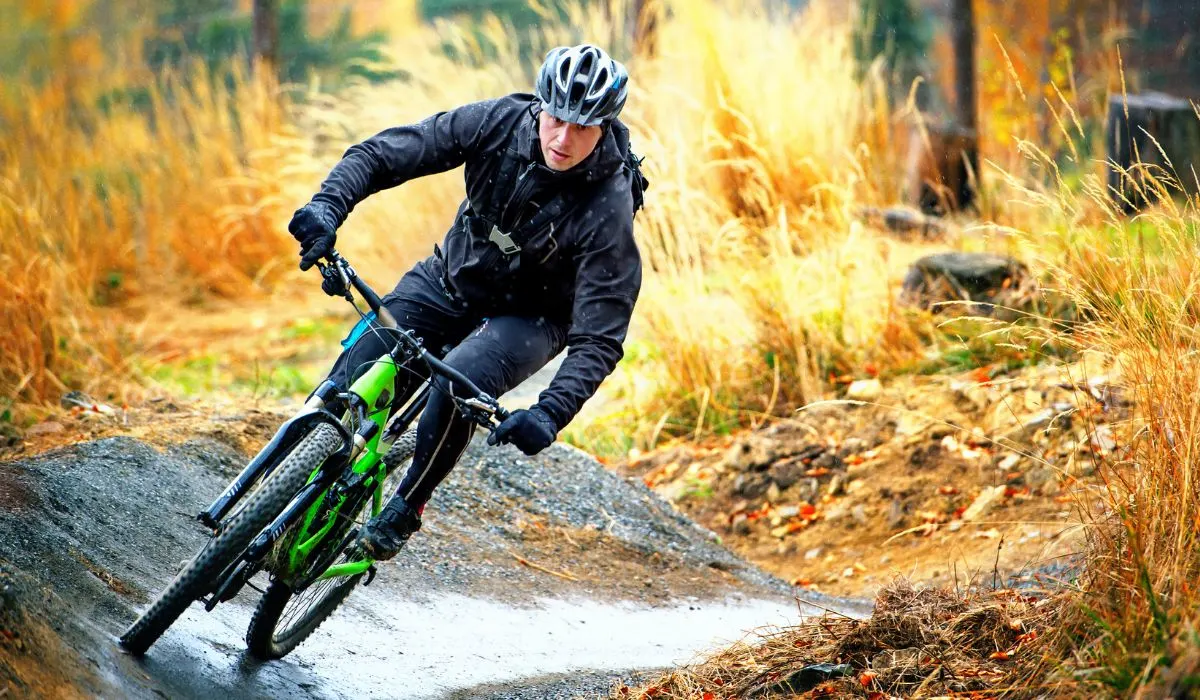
(871, 370)
(867, 678)
(807, 510)
(801, 581)
(1027, 637)
(947, 490)
(817, 471)
(999, 656)
(707, 696)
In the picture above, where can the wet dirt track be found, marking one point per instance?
(91, 531)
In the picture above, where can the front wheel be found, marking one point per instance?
(260, 507)
(284, 617)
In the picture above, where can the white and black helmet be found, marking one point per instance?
(582, 85)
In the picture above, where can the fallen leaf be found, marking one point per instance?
(1027, 637)
(948, 490)
(999, 656)
(817, 471)
(867, 678)
(707, 695)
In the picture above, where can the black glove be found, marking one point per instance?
(314, 225)
(530, 430)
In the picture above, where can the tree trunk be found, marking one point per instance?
(266, 34)
(1138, 171)
(963, 38)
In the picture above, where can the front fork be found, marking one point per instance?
(274, 451)
(231, 580)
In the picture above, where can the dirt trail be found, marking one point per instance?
(88, 532)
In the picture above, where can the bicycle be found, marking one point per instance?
(296, 508)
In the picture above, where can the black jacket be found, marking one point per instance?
(582, 269)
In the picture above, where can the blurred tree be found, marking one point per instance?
(890, 30)
(217, 32)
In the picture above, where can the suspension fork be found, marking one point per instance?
(274, 451)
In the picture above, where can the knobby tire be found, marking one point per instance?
(266, 638)
(261, 506)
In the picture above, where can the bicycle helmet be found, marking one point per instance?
(582, 85)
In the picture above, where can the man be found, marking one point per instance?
(541, 255)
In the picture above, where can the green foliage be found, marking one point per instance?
(211, 31)
(891, 30)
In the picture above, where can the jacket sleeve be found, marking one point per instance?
(394, 156)
(607, 280)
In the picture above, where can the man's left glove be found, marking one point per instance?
(530, 430)
(315, 227)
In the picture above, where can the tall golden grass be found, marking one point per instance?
(1131, 630)
(105, 204)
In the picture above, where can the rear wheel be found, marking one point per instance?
(196, 578)
(285, 617)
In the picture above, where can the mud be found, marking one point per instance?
(543, 575)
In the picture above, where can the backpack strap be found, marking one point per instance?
(640, 183)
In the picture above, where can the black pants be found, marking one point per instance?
(496, 352)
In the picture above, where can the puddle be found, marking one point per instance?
(377, 646)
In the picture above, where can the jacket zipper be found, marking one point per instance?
(519, 196)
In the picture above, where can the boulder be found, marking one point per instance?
(984, 278)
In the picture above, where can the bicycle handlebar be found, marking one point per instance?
(339, 269)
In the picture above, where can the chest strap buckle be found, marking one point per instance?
(507, 245)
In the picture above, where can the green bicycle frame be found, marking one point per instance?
(374, 387)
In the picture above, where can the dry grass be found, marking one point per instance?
(917, 643)
(100, 206)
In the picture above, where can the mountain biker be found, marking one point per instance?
(540, 256)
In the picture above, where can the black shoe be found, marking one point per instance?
(384, 535)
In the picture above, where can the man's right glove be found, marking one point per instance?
(314, 225)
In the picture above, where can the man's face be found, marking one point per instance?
(565, 145)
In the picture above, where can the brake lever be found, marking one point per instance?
(334, 280)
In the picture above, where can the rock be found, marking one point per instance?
(773, 492)
(836, 484)
(749, 454)
(786, 512)
(786, 473)
(859, 513)
(983, 503)
(864, 390)
(835, 513)
(908, 223)
(985, 278)
(812, 553)
(1042, 479)
(852, 446)
(751, 486)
